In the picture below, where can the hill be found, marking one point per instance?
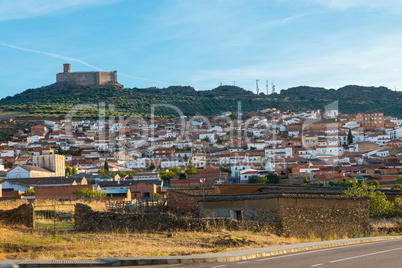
(56, 100)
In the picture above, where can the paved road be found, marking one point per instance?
(377, 254)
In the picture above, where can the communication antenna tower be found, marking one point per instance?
(267, 86)
(273, 88)
(256, 83)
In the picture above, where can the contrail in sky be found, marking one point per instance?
(53, 55)
(58, 56)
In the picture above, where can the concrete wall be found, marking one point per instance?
(53, 162)
(40, 174)
(17, 173)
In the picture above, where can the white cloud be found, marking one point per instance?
(18, 9)
(395, 5)
(376, 64)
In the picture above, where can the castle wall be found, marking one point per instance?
(88, 78)
(81, 78)
(107, 77)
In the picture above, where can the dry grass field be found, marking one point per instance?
(19, 242)
(23, 243)
(95, 205)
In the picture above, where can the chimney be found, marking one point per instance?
(67, 67)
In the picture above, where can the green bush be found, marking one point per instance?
(379, 204)
(88, 193)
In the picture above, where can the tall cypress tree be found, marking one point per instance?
(106, 167)
(350, 137)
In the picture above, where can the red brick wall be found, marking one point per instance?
(56, 192)
(238, 188)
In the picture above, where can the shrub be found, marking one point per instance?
(397, 187)
(88, 193)
(379, 204)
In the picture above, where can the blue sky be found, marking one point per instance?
(328, 43)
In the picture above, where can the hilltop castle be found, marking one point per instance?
(87, 78)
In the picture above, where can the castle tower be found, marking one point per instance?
(67, 67)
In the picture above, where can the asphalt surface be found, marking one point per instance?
(385, 251)
(376, 254)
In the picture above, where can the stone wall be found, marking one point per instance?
(88, 78)
(298, 215)
(23, 215)
(253, 208)
(185, 201)
(88, 220)
(325, 217)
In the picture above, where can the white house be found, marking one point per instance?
(247, 173)
(236, 168)
(330, 150)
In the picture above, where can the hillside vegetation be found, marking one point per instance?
(56, 100)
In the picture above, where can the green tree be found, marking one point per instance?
(190, 169)
(68, 171)
(374, 183)
(350, 137)
(31, 192)
(397, 187)
(106, 167)
(225, 169)
(206, 139)
(156, 195)
(379, 204)
(166, 176)
(398, 179)
(273, 178)
(151, 167)
(306, 181)
(176, 171)
(253, 179)
(74, 170)
(102, 172)
(345, 182)
(88, 193)
(183, 176)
